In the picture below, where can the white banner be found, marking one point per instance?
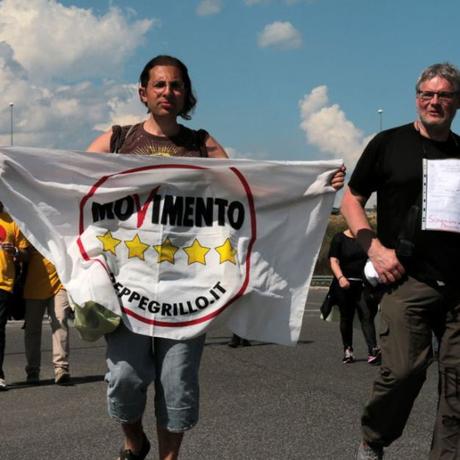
(172, 244)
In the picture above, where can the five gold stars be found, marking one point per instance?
(196, 253)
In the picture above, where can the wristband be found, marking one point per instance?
(340, 277)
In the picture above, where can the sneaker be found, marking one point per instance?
(3, 385)
(33, 378)
(61, 376)
(348, 356)
(128, 454)
(375, 358)
(367, 452)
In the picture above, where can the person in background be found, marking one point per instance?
(420, 267)
(13, 247)
(347, 259)
(43, 292)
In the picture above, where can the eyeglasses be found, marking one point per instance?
(443, 96)
(176, 85)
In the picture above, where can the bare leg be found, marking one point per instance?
(168, 443)
(133, 436)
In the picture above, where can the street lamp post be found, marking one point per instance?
(11, 122)
(380, 112)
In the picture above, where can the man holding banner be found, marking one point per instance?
(135, 360)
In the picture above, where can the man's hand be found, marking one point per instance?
(338, 179)
(385, 263)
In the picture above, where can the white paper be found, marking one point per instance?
(441, 187)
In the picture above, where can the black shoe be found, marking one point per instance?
(33, 378)
(245, 343)
(235, 341)
(128, 454)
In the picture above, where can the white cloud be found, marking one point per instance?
(40, 48)
(280, 35)
(209, 7)
(327, 127)
(124, 107)
(61, 116)
(50, 39)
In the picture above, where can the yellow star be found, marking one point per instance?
(136, 248)
(196, 253)
(166, 251)
(109, 243)
(226, 252)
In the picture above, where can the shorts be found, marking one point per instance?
(134, 361)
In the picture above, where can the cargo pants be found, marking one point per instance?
(409, 316)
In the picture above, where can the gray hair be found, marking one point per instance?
(445, 70)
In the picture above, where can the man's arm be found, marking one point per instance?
(101, 144)
(384, 259)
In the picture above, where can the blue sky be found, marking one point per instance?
(275, 79)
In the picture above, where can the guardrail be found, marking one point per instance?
(321, 280)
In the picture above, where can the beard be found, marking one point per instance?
(437, 124)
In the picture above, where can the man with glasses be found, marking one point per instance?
(135, 360)
(420, 268)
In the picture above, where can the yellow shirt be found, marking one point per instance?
(42, 281)
(9, 233)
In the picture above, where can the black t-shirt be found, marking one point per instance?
(351, 255)
(392, 166)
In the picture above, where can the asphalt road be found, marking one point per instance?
(261, 402)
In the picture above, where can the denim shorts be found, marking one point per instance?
(134, 361)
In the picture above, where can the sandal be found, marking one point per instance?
(128, 454)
